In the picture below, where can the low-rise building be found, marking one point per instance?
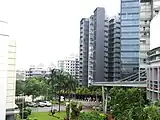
(70, 65)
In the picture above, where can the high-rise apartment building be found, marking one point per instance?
(114, 49)
(70, 65)
(83, 52)
(98, 46)
(102, 41)
(135, 32)
(7, 74)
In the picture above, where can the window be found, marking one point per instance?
(129, 22)
(130, 54)
(129, 29)
(130, 35)
(130, 4)
(130, 10)
(130, 47)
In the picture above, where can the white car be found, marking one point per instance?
(42, 104)
(47, 103)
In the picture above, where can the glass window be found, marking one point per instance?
(130, 60)
(130, 4)
(130, 0)
(129, 29)
(130, 10)
(130, 35)
(129, 42)
(128, 22)
(130, 16)
(129, 47)
(130, 54)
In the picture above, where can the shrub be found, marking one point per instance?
(25, 114)
(29, 111)
(90, 116)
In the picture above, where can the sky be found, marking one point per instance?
(48, 30)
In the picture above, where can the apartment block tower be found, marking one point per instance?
(100, 36)
(98, 46)
(136, 16)
(83, 52)
(114, 49)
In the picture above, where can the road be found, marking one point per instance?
(47, 109)
(63, 108)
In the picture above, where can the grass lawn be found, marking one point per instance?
(45, 116)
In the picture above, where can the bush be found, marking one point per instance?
(90, 116)
(29, 111)
(25, 114)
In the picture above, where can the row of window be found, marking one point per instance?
(130, 4)
(130, 35)
(130, 22)
(130, 29)
(130, 10)
(130, 54)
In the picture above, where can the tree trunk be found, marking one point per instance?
(59, 100)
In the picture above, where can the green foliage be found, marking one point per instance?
(20, 85)
(90, 116)
(17, 117)
(33, 87)
(62, 82)
(127, 104)
(24, 114)
(29, 111)
(76, 108)
(75, 111)
(67, 111)
(92, 90)
(151, 113)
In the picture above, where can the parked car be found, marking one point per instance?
(32, 104)
(47, 103)
(41, 104)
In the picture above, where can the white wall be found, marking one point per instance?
(155, 32)
(3, 74)
(11, 81)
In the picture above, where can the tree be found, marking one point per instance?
(70, 84)
(33, 87)
(56, 81)
(151, 113)
(127, 103)
(20, 87)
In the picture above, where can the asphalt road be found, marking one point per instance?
(63, 108)
(47, 109)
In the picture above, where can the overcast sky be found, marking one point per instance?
(48, 30)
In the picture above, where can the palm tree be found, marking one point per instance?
(71, 83)
(51, 80)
